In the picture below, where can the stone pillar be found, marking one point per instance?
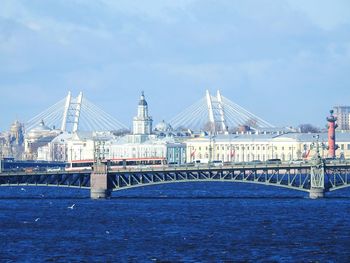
(316, 193)
(99, 185)
(317, 187)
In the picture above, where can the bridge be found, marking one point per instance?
(72, 114)
(211, 113)
(315, 178)
(216, 114)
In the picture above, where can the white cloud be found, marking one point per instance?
(249, 49)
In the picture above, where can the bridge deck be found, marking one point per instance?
(290, 176)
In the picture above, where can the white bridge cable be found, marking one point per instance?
(50, 116)
(109, 120)
(242, 111)
(89, 120)
(86, 124)
(97, 119)
(234, 116)
(190, 115)
(234, 120)
(195, 119)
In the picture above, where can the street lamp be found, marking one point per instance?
(210, 148)
(192, 153)
(71, 153)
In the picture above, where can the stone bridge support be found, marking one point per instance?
(317, 187)
(99, 185)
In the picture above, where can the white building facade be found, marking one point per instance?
(249, 147)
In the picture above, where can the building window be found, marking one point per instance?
(348, 146)
(342, 146)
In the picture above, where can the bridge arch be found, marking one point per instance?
(215, 180)
(293, 181)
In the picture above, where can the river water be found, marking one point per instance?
(194, 222)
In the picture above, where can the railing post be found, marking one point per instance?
(99, 185)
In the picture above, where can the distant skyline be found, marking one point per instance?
(287, 61)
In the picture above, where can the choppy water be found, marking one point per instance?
(200, 222)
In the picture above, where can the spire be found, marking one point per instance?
(142, 102)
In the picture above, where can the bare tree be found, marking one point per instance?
(121, 132)
(251, 123)
(308, 128)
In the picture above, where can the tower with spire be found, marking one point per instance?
(142, 123)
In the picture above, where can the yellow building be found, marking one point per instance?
(249, 147)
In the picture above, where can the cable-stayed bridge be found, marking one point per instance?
(216, 114)
(76, 113)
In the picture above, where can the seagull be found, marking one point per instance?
(37, 219)
(107, 232)
(71, 207)
(22, 189)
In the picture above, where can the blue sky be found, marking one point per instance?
(286, 61)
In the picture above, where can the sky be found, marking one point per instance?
(287, 61)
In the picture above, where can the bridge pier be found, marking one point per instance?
(316, 192)
(317, 176)
(99, 185)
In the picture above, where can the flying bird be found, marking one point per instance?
(71, 207)
(37, 219)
